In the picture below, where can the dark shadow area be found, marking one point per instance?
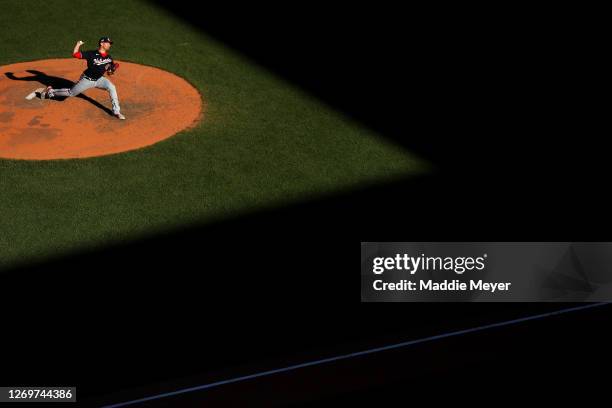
(56, 83)
(470, 93)
(526, 361)
(259, 291)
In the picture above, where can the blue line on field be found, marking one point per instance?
(356, 354)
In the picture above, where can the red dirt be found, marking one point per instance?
(157, 105)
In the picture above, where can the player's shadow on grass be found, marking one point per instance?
(56, 83)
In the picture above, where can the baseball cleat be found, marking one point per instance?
(32, 95)
(119, 116)
(46, 93)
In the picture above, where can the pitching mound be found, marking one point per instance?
(157, 105)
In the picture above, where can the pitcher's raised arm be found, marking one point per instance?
(76, 53)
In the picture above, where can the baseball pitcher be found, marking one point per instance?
(99, 63)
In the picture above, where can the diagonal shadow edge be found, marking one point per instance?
(426, 207)
(343, 79)
(423, 67)
(296, 217)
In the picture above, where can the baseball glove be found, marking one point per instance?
(111, 68)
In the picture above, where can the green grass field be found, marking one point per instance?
(263, 142)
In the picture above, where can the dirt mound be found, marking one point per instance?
(157, 105)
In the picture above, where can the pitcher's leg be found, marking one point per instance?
(52, 93)
(79, 87)
(104, 83)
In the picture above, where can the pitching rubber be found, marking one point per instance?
(33, 94)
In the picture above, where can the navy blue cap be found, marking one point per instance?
(105, 39)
